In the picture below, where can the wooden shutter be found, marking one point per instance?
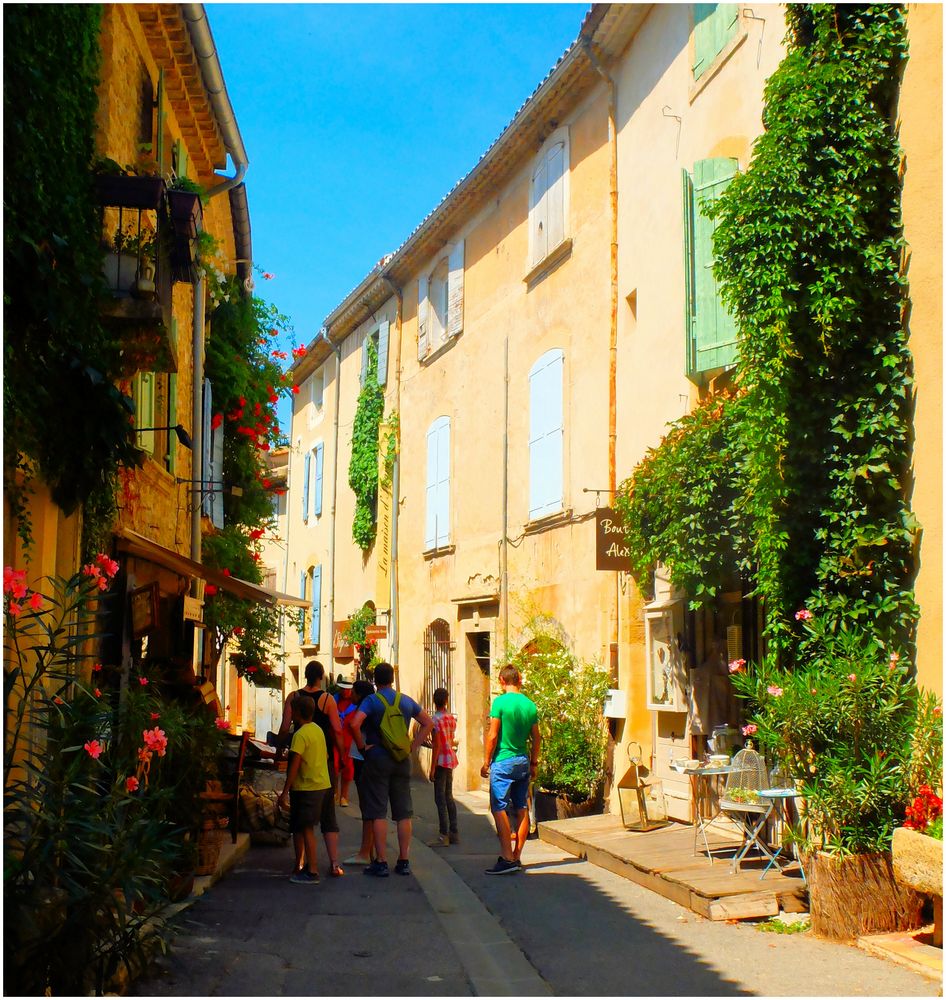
(302, 582)
(206, 451)
(144, 409)
(384, 335)
(437, 528)
(423, 325)
(713, 25)
(455, 291)
(715, 338)
(215, 477)
(306, 467)
(317, 502)
(555, 195)
(315, 626)
(538, 215)
(689, 323)
(546, 435)
(364, 358)
(172, 419)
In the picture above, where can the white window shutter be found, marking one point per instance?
(455, 291)
(443, 483)
(364, 358)
(555, 196)
(384, 335)
(306, 468)
(538, 216)
(206, 454)
(423, 326)
(317, 501)
(546, 435)
(216, 478)
(430, 526)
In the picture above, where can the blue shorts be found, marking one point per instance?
(509, 784)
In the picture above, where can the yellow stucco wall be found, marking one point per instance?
(921, 133)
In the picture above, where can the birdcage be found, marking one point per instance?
(643, 806)
(746, 779)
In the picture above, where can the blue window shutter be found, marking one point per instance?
(715, 332)
(317, 603)
(307, 464)
(689, 277)
(546, 435)
(216, 478)
(302, 582)
(364, 359)
(713, 25)
(317, 502)
(384, 335)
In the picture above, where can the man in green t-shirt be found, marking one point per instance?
(513, 725)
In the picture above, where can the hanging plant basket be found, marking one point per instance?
(186, 213)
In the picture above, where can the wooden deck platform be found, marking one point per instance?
(663, 861)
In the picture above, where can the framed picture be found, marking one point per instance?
(666, 666)
(144, 610)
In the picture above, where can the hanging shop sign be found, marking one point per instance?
(373, 633)
(611, 548)
(342, 649)
(144, 610)
(193, 609)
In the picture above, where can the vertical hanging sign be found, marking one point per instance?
(611, 549)
(382, 542)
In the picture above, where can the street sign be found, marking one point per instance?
(611, 549)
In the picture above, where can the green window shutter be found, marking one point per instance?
(714, 337)
(689, 322)
(172, 420)
(713, 25)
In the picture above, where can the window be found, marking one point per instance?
(440, 302)
(143, 391)
(317, 486)
(316, 396)
(713, 26)
(548, 199)
(438, 662)
(546, 435)
(380, 339)
(437, 532)
(711, 331)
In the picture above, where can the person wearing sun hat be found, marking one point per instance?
(346, 766)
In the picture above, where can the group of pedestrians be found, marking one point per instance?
(368, 736)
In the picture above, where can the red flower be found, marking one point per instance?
(256, 534)
(238, 632)
(155, 740)
(98, 694)
(131, 784)
(225, 572)
(13, 609)
(295, 390)
(222, 723)
(96, 667)
(251, 670)
(266, 484)
(94, 749)
(217, 421)
(36, 601)
(267, 276)
(274, 398)
(209, 590)
(143, 681)
(58, 701)
(242, 401)
(264, 446)
(280, 493)
(155, 716)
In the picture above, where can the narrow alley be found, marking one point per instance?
(449, 930)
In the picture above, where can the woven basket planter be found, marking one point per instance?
(209, 844)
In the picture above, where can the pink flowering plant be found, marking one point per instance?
(96, 790)
(848, 722)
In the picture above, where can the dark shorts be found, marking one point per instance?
(382, 780)
(327, 819)
(305, 808)
(509, 784)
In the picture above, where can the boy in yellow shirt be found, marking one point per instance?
(306, 785)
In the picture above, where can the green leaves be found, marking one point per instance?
(363, 464)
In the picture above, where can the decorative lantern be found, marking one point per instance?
(643, 806)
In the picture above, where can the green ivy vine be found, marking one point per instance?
(60, 363)
(808, 253)
(363, 465)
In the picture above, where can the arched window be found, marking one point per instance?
(438, 662)
(546, 435)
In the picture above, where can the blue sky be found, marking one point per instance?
(359, 118)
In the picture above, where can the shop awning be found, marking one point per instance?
(143, 548)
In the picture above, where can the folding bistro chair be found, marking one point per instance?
(741, 802)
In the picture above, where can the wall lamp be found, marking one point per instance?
(178, 429)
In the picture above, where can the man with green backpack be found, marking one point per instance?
(381, 731)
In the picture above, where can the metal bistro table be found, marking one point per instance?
(782, 800)
(705, 804)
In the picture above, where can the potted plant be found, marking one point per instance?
(185, 200)
(848, 722)
(569, 694)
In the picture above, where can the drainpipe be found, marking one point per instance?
(504, 563)
(203, 42)
(323, 334)
(197, 426)
(394, 621)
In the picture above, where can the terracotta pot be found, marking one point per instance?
(858, 895)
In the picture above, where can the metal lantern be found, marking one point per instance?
(643, 806)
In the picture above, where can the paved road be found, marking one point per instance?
(564, 927)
